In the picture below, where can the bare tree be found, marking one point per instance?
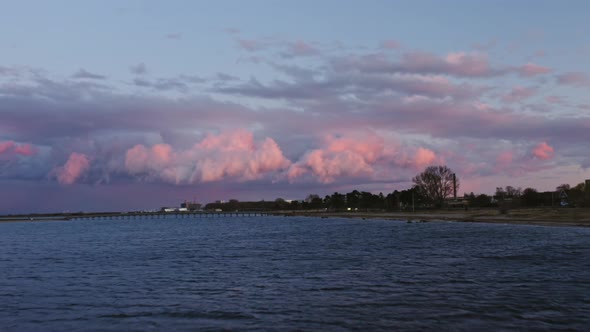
(563, 187)
(435, 183)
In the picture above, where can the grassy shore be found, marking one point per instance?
(538, 216)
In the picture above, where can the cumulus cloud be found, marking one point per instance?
(432, 103)
(543, 151)
(230, 155)
(339, 157)
(76, 166)
(424, 157)
(361, 155)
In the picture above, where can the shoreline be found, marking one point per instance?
(32, 220)
(569, 217)
(541, 217)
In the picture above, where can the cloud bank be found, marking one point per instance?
(320, 118)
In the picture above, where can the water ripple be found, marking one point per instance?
(277, 274)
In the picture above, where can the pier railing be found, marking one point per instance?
(136, 215)
(167, 215)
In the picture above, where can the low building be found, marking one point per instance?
(191, 206)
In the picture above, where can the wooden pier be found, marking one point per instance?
(166, 215)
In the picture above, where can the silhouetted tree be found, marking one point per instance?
(530, 197)
(353, 199)
(564, 187)
(314, 202)
(512, 192)
(337, 201)
(280, 204)
(500, 194)
(435, 183)
(482, 200)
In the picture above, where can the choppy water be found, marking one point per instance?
(274, 273)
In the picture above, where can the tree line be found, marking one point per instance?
(431, 189)
(338, 202)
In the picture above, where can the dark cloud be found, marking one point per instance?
(226, 77)
(81, 73)
(138, 69)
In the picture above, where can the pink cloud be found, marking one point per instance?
(424, 157)
(359, 155)
(543, 151)
(411, 158)
(505, 158)
(574, 78)
(327, 166)
(236, 155)
(340, 157)
(73, 169)
(6, 146)
(25, 150)
(10, 147)
(503, 161)
(136, 159)
(531, 69)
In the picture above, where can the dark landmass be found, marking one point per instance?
(537, 216)
(534, 216)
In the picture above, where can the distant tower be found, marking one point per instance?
(454, 186)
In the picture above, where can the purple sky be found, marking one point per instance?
(135, 105)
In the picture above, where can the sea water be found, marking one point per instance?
(279, 273)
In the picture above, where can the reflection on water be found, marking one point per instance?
(274, 273)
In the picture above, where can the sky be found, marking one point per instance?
(126, 105)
